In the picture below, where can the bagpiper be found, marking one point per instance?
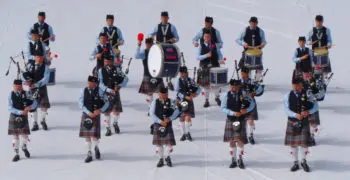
(19, 104)
(186, 89)
(298, 107)
(111, 80)
(236, 106)
(163, 111)
(92, 102)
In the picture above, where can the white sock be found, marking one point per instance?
(106, 120)
(149, 99)
(313, 130)
(15, 144)
(294, 153)
(187, 127)
(43, 115)
(25, 140)
(206, 91)
(304, 152)
(96, 142)
(233, 152)
(240, 151)
(182, 128)
(217, 92)
(88, 145)
(160, 151)
(258, 75)
(169, 150)
(251, 129)
(33, 116)
(115, 118)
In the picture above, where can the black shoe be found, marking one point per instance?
(168, 161)
(109, 132)
(295, 166)
(183, 137)
(189, 137)
(97, 153)
(218, 101)
(233, 163)
(35, 127)
(116, 128)
(160, 162)
(206, 104)
(251, 139)
(88, 158)
(25, 150)
(43, 123)
(305, 166)
(151, 129)
(240, 163)
(16, 158)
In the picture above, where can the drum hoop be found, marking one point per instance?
(321, 52)
(253, 52)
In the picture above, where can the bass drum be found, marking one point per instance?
(164, 60)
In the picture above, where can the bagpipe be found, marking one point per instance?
(19, 120)
(98, 103)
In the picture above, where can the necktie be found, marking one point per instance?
(109, 29)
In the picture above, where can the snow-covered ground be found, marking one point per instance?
(59, 153)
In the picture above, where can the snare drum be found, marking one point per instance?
(321, 57)
(52, 77)
(218, 76)
(253, 58)
(164, 60)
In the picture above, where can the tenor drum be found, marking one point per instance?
(253, 58)
(164, 60)
(321, 57)
(218, 76)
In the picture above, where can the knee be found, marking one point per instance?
(88, 139)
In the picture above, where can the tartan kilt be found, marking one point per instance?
(203, 76)
(169, 139)
(12, 130)
(294, 139)
(315, 118)
(116, 104)
(95, 131)
(43, 100)
(328, 68)
(147, 87)
(297, 74)
(190, 112)
(254, 114)
(231, 136)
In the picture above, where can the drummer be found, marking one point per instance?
(320, 37)
(252, 36)
(302, 58)
(209, 56)
(164, 31)
(149, 85)
(215, 34)
(114, 34)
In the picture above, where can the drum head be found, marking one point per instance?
(320, 51)
(155, 61)
(254, 52)
(218, 69)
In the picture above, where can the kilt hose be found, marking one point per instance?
(150, 85)
(231, 136)
(12, 130)
(94, 132)
(169, 139)
(295, 139)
